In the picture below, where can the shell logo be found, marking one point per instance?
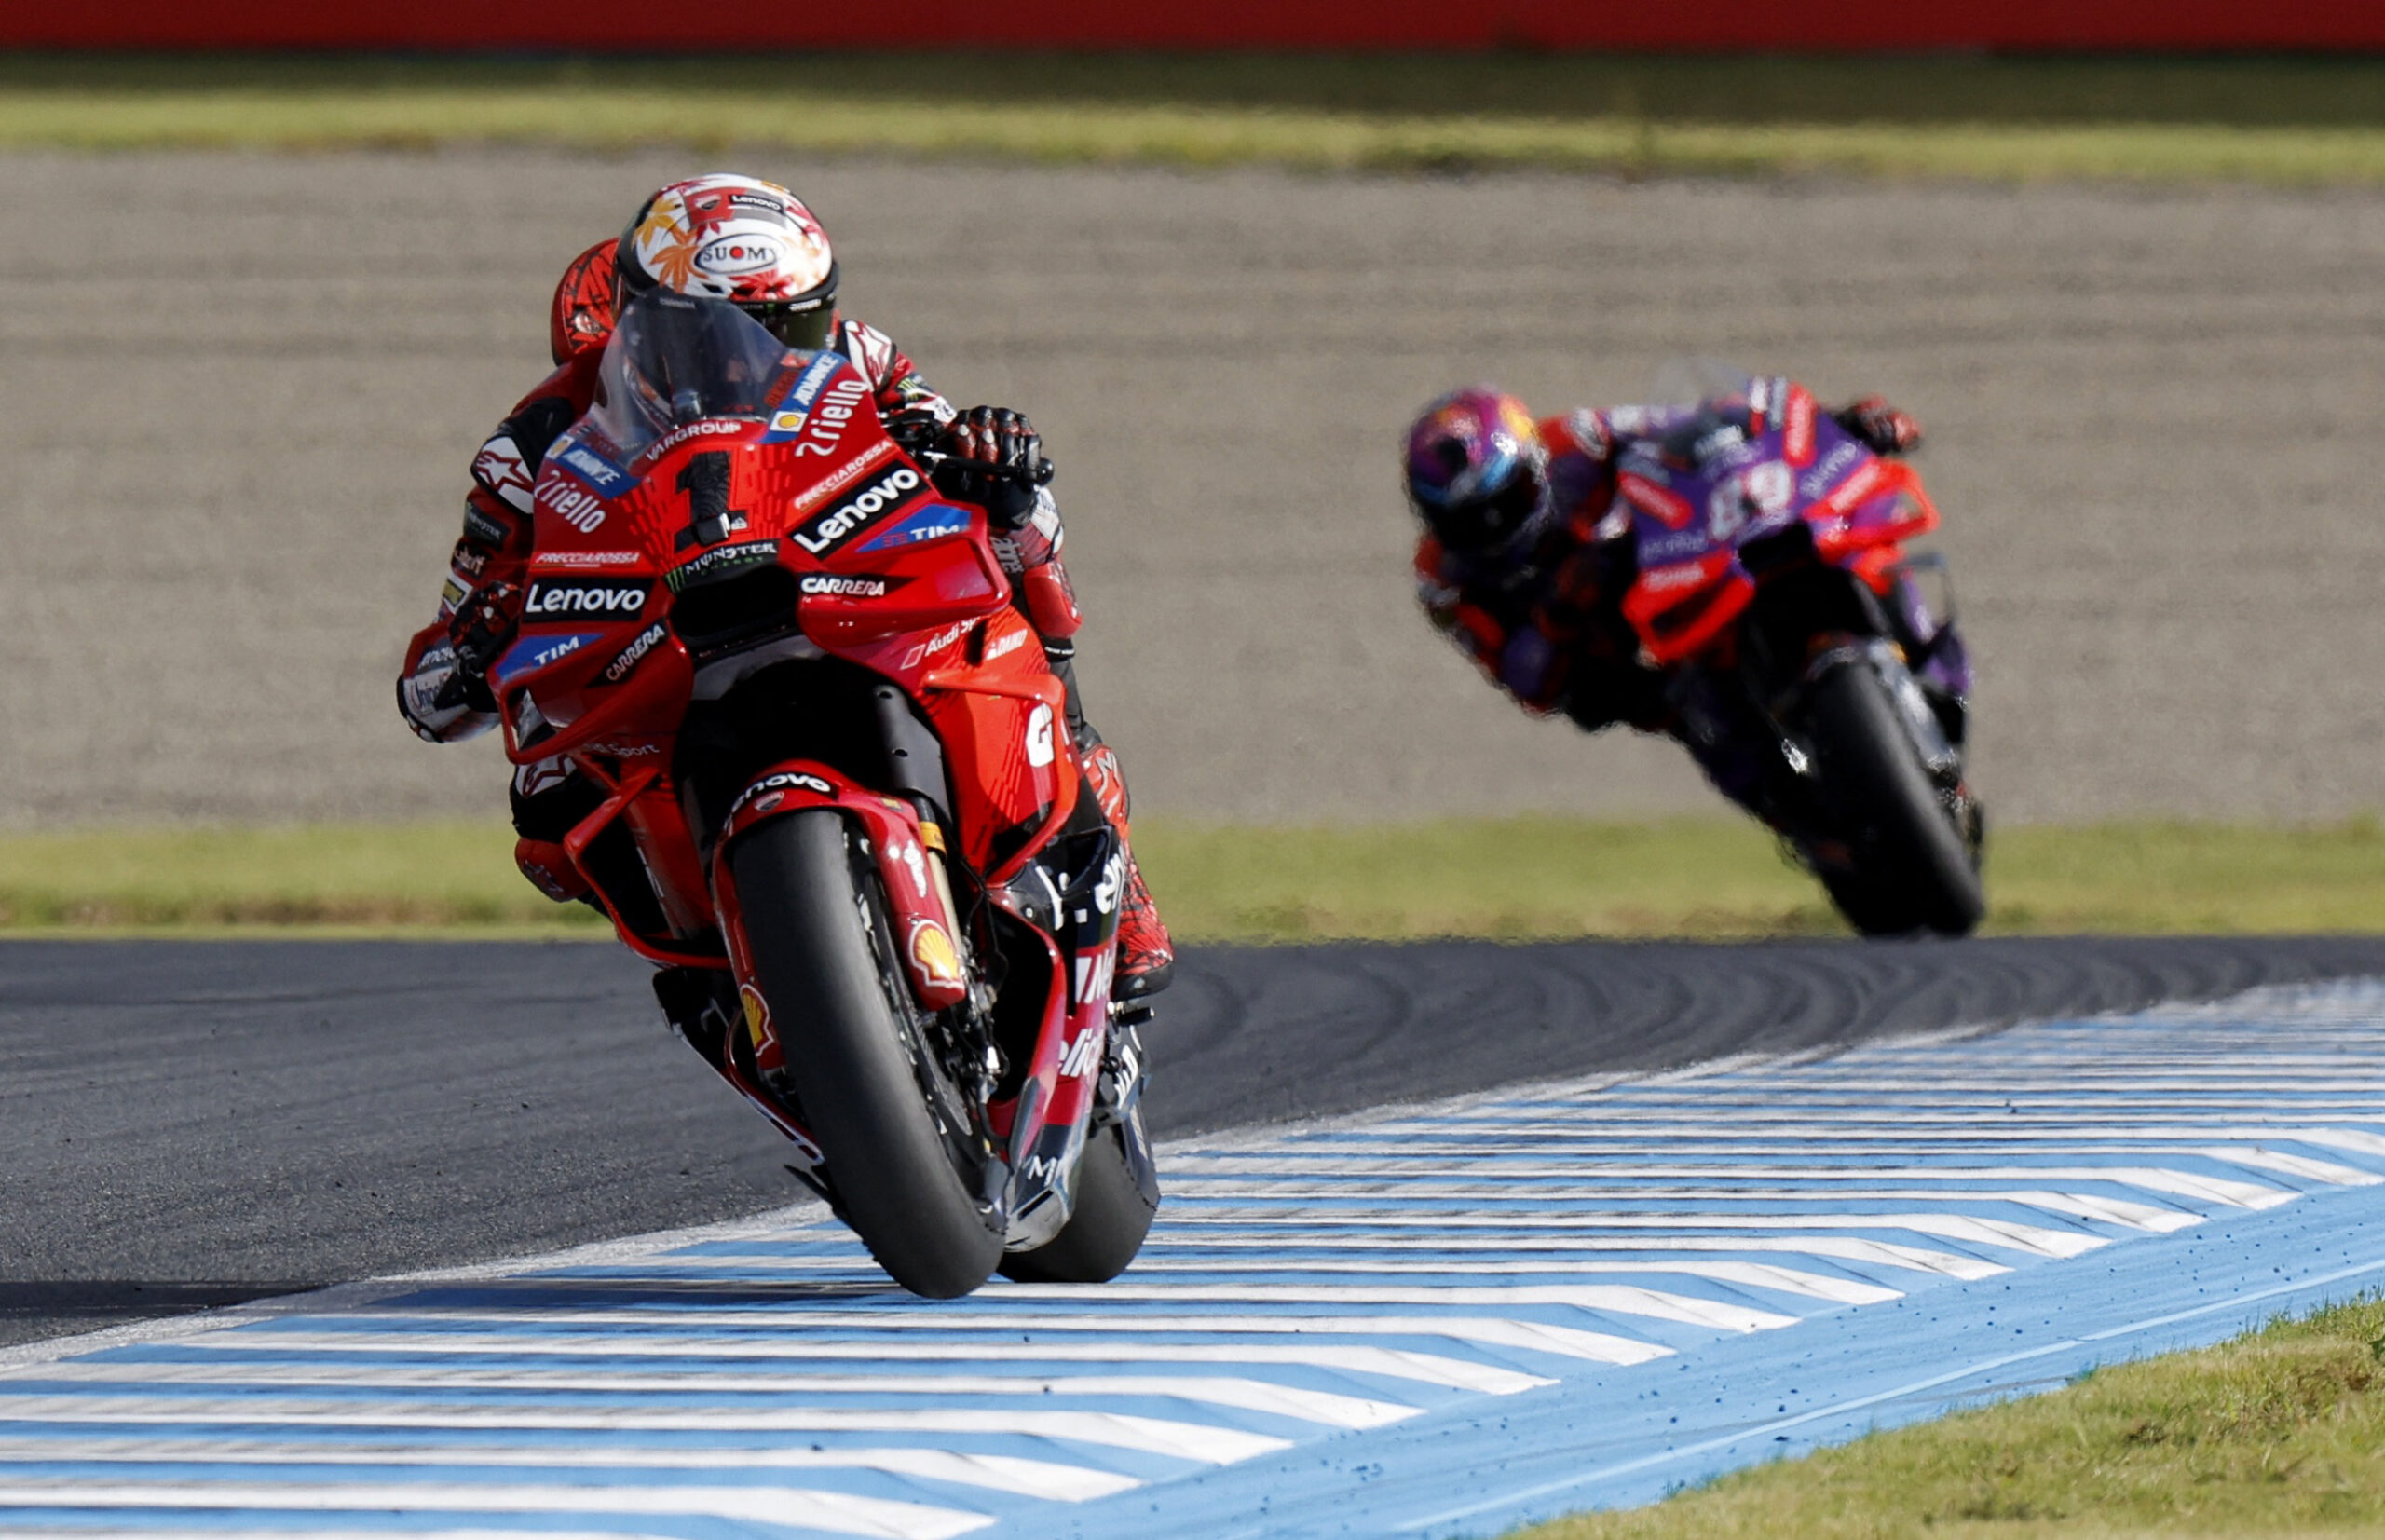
(932, 954)
(758, 1013)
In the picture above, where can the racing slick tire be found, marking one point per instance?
(906, 1148)
(1915, 870)
(1105, 1230)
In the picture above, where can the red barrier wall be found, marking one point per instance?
(1863, 26)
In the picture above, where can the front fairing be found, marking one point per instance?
(1708, 482)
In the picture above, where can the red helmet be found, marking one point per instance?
(1477, 473)
(752, 243)
(585, 302)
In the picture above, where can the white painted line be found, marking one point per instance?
(1040, 1479)
(1195, 1441)
(530, 1347)
(785, 1507)
(1288, 1264)
(1849, 1249)
(2036, 1240)
(1310, 1406)
(1551, 1206)
(1371, 1176)
(1787, 1280)
(1486, 1332)
(1608, 1299)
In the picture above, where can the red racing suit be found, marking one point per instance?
(491, 559)
(1547, 627)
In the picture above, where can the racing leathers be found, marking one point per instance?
(443, 696)
(1547, 625)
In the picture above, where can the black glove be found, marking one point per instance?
(481, 627)
(997, 461)
(1882, 429)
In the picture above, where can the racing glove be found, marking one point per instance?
(482, 624)
(998, 440)
(1881, 428)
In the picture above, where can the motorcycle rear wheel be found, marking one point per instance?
(1105, 1230)
(903, 1142)
(1915, 870)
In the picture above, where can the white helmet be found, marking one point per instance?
(752, 243)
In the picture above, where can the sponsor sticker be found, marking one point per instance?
(1038, 735)
(738, 255)
(845, 475)
(575, 504)
(482, 527)
(795, 408)
(1004, 646)
(677, 436)
(783, 780)
(934, 955)
(1797, 430)
(933, 523)
(1661, 503)
(833, 585)
(571, 599)
(499, 468)
(845, 521)
(1843, 456)
(594, 469)
(533, 653)
(631, 656)
(721, 559)
(554, 561)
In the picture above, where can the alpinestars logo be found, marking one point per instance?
(553, 601)
(839, 525)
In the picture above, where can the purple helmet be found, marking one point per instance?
(1477, 474)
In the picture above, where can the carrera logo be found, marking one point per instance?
(839, 525)
(783, 781)
(552, 601)
(1660, 503)
(738, 255)
(720, 559)
(582, 509)
(828, 585)
(623, 666)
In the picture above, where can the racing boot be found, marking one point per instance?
(1146, 959)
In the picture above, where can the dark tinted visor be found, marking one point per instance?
(806, 324)
(1484, 522)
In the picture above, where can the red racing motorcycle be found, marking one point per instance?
(843, 807)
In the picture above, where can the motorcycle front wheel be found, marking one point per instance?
(1914, 869)
(906, 1147)
(1106, 1228)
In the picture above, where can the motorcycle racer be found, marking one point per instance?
(1527, 552)
(755, 245)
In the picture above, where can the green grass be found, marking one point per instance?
(2283, 120)
(1516, 878)
(2280, 1433)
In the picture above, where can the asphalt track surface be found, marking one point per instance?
(243, 391)
(187, 1124)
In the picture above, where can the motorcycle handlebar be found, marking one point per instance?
(1038, 474)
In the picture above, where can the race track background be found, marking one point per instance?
(243, 389)
(187, 1124)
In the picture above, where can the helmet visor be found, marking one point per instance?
(1494, 518)
(807, 324)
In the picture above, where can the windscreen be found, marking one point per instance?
(675, 359)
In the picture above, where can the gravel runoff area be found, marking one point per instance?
(243, 389)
